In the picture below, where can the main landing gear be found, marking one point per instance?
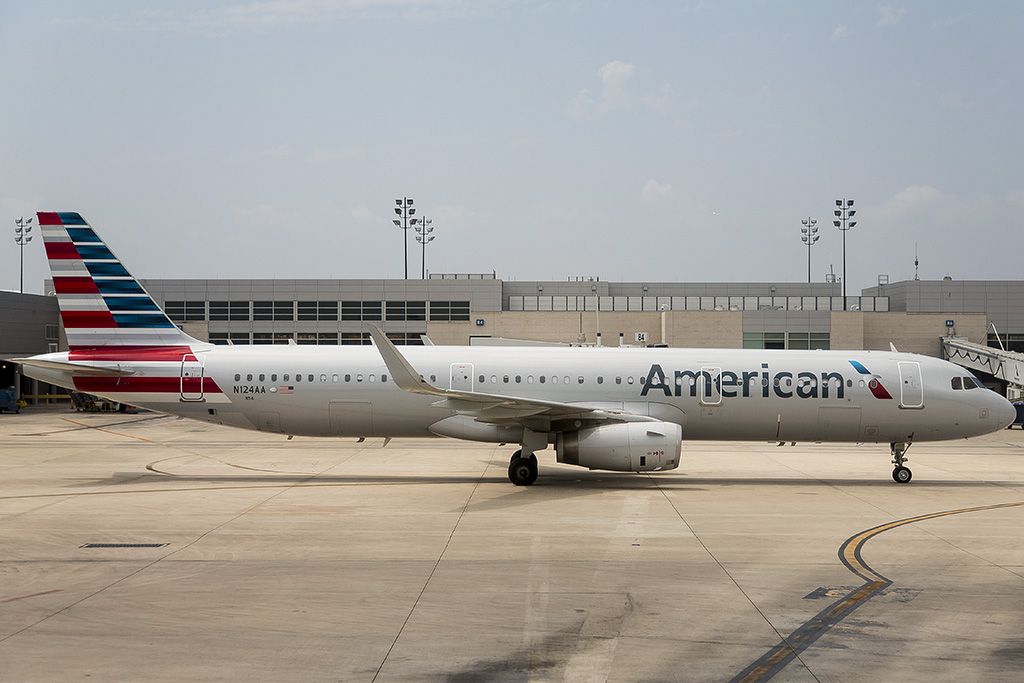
(522, 468)
(901, 474)
(522, 471)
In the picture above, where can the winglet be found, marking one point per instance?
(892, 347)
(402, 372)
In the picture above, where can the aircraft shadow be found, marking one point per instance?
(547, 480)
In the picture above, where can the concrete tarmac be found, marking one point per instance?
(142, 547)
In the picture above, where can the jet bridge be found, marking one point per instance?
(1007, 366)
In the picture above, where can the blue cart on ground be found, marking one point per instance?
(1019, 420)
(9, 401)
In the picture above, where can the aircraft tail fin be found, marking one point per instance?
(101, 304)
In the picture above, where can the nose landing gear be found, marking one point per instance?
(901, 474)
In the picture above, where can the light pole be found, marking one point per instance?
(403, 207)
(843, 215)
(424, 237)
(809, 237)
(21, 238)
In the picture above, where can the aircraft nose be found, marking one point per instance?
(1004, 412)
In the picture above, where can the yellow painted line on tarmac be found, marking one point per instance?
(850, 552)
(776, 659)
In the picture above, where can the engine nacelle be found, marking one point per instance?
(626, 447)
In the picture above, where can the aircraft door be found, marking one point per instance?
(191, 378)
(709, 386)
(911, 388)
(462, 377)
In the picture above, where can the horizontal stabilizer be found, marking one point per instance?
(76, 369)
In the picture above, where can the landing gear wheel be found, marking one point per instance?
(901, 475)
(522, 471)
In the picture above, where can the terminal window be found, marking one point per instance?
(449, 311)
(357, 311)
(185, 311)
(318, 310)
(229, 310)
(809, 340)
(764, 340)
(406, 310)
(273, 310)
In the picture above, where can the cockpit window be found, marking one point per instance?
(957, 383)
(969, 383)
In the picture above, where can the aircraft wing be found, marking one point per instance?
(532, 413)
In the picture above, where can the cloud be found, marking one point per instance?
(653, 191)
(582, 107)
(617, 94)
(268, 15)
(615, 89)
(364, 215)
(260, 216)
(1015, 198)
(890, 16)
(323, 155)
(840, 33)
(279, 151)
(919, 203)
(663, 102)
(914, 200)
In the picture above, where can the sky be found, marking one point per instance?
(631, 141)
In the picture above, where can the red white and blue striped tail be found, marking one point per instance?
(101, 304)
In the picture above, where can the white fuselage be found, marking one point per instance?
(764, 395)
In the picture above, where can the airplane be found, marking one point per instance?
(616, 409)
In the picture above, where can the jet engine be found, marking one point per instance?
(625, 447)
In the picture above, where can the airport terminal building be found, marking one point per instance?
(913, 315)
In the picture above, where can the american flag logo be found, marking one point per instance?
(286, 390)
